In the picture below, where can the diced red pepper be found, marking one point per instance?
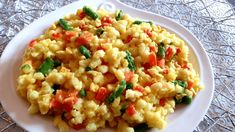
(84, 38)
(106, 21)
(55, 104)
(153, 59)
(139, 88)
(190, 84)
(185, 65)
(102, 94)
(78, 126)
(178, 50)
(153, 49)
(104, 62)
(82, 15)
(72, 94)
(68, 115)
(161, 63)
(162, 102)
(68, 103)
(60, 96)
(38, 83)
(100, 48)
(165, 71)
(110, 78)
(105, 24)
(148, 83)
(131, 110)
(63, 101)
(100, 26)
(83, 27)
(128, 39)
(32, 43)
(148, 32)
(169, 53)
(69, 35)
(56, 35)
(82, 41)
(128, 75)
(146, 66)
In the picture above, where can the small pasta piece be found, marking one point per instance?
(61, 124)
(44, 103)
(132, 94)
(91, 127)
(33, 109)
(38, 76)
(154, 119)
(119, 74)
(103, 69)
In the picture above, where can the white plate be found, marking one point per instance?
(185, 119)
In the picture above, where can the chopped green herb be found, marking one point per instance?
(111, 98)
(90, 12)
(88, 68)
(46, 66)
(55, 88)
(187, 100)
(141, 127)
(121, 88)
(137, 22)
(119, 15)
(150, 22)
(181, 83)
(161, 51)
(83, 50)
(64, 24)
(131, 63)
(178, 101)
(184, 100)
(118, 92)
(129, 86)
(99, 31)
(57, 63)
(82, 93)
(123, 109)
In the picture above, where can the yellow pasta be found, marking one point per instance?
(98, 69)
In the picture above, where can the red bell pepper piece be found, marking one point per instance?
(153, 59)
(131, 110)
(102, 94)
(128, 76)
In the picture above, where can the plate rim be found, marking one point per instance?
(116, 3)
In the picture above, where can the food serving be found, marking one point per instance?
(99, 69)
